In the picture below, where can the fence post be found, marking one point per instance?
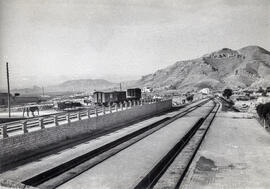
(103, 109)
(68, 118)
(41, 124)
(89, 113)
(79, 116)
(116, 107)
(96, 111)
(110, 108)
(24, 126)
(121, 106)
(4, 131)
(130, 103)
(56, 120)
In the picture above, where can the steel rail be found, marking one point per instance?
(151, 178)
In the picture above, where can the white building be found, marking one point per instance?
(205, 91)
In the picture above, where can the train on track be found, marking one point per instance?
(109, 98)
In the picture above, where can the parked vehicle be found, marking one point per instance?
(64, 105)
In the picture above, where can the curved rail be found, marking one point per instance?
(152, 177)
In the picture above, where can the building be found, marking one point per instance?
(15, 100)
(205, 91)
(4, 99)
(147, 89)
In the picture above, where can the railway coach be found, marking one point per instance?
(108, 98)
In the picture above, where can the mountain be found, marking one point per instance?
(248, 67)
(85, 85)
(78, 85)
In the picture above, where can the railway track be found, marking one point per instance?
(178, 159)
(64, 172)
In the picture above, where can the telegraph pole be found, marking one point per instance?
(8, 90)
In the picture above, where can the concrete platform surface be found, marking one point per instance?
(234, 154)
(124, 169)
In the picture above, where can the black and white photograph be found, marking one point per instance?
(134, 94)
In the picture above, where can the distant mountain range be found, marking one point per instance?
(248, 67)
(84, 85)
(79, 85)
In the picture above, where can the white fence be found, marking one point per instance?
(26, 125)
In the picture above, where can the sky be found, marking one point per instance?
(50, 41)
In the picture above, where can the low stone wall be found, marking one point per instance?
(19, 147)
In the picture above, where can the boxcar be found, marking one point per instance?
(134, 94)
(106, 98)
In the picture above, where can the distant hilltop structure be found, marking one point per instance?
(224, 53)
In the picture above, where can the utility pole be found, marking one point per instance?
(8, 90)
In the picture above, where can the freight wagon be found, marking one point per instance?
(106, 98)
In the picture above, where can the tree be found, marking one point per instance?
(190, 98)
(227, 93)
(260, 90)
(264, 93)
(263, 110)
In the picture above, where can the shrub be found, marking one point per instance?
(263, 110)
(190, 98)
(227, 93)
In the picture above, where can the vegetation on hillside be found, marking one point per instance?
(263, 111)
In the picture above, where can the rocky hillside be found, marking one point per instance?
(246, 67)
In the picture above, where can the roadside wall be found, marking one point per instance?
(19, 147)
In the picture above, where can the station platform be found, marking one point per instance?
(234, 154)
